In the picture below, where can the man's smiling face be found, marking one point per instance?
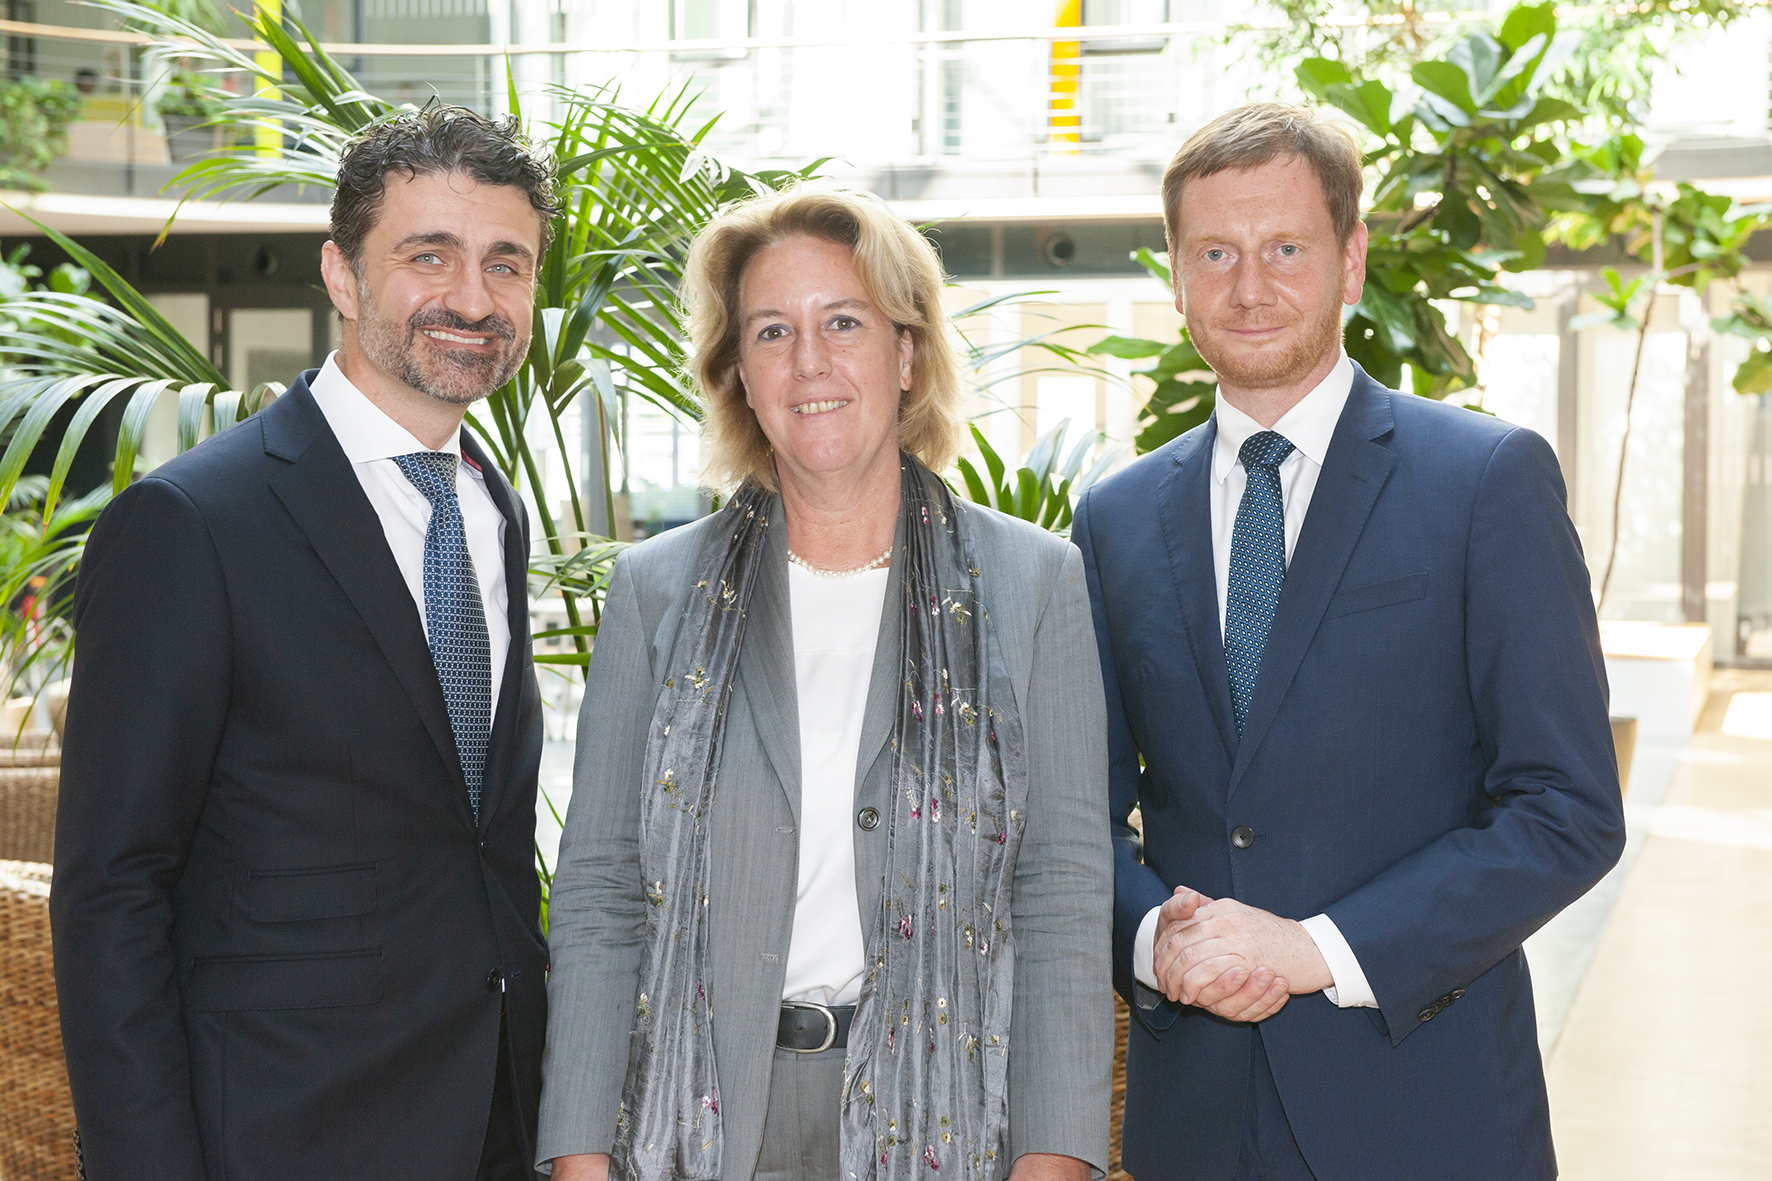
(444, 289)
(1261, 276)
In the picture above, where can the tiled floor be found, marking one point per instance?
(1662, 1068)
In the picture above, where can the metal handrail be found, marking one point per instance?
(715, 45)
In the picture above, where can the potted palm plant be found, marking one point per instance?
(190, 115)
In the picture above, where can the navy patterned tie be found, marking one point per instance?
(454, 615)
(1258, 566)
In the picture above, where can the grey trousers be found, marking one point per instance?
(800, 1130)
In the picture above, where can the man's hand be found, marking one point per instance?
(1234, 960)
(1242, 991)
(591, 1166)
(1048, 1166)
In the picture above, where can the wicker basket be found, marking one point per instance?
(33, 748)
(27, 813)
(1117, 1101)
(36, 1111)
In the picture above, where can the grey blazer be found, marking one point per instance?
(1061, 1040)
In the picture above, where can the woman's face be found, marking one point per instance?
(822, 367)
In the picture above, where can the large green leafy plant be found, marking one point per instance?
(34, 118)
(1044, 489)
(41, 534)
(1691, 240)
(1461, 197)
(1617, 47)
(1750, 318)
(636, 186)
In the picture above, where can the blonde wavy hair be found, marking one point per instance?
(903, 278)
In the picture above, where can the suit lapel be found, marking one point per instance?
(1354, 472)
(878, 718)
(881, 711)
(516, 553)
(1184, 507)
(766, 667)
(321, 492)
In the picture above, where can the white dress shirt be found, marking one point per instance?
(370, 440)
(836, 626)
(1309, 426)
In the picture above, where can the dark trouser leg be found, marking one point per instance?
(800, 1134)
(1269, 1151)
(503, 1156)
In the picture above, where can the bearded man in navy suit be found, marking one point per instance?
(1355, 689)
(296, 916)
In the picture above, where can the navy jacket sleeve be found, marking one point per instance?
(1137, 888)
(1443, 915)
(150, 693)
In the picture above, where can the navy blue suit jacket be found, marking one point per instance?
(283, 939)
(1426, 759)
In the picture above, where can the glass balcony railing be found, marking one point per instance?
(879, 98)
(916, 100)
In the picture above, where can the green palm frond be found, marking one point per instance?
(68, 348)
(1044, 489)
(37, 566)
(313, 119)
(635, 188)
(636, 185)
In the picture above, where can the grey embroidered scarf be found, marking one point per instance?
(925, 1089)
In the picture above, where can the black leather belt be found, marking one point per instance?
(807, 1027)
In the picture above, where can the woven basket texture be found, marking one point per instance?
(27, 813)
(33, 748)
(36, 1111)
(1117, 1102)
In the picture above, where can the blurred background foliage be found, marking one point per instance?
(1485, 142)
(34, 118)
(1482, 148)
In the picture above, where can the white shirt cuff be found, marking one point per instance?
(1350, 990)
(1144, 967)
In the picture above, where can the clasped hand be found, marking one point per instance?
(1237, 961)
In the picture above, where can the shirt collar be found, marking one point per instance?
(363, 429)
(1309, 425)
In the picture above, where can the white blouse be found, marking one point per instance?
(836, 625)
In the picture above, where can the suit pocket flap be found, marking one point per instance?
(291, 895)
(232, 983)
(1379, 594)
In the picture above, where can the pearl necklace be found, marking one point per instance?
(819, 572)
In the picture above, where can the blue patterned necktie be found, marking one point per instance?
(455, 617)
(1258, 565)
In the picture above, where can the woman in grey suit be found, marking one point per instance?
(833, 896)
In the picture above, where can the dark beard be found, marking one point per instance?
(460, 378)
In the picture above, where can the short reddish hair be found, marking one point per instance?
(1261, 133)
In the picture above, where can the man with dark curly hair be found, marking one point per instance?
(295, 908)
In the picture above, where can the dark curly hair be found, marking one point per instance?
(436, 139)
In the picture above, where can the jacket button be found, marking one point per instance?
(1427, 1014)
(1457, 993)
(495, 980)
(868, 818)
(1242, 836)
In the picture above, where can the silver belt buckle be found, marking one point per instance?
(830, 1026)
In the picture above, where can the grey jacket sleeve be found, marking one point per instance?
(1061, 1035)
(596, 918)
